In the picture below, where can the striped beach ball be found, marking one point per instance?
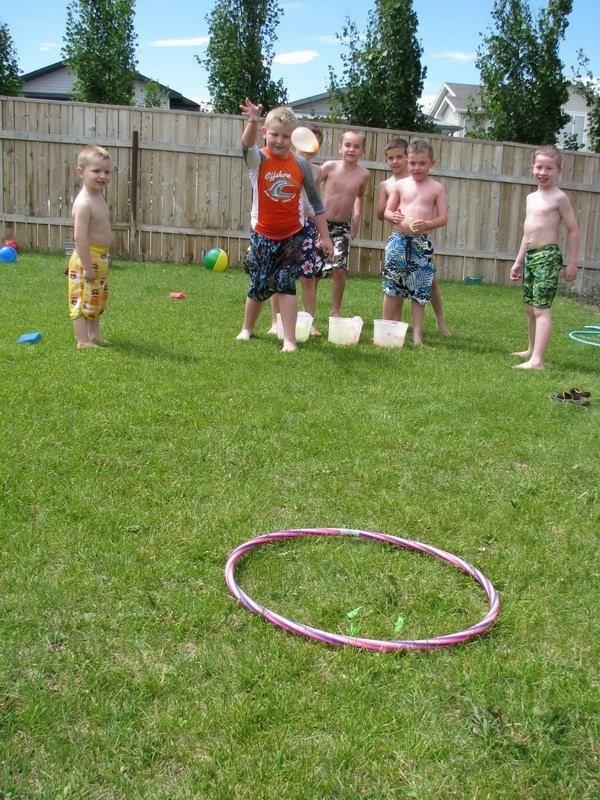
(215, 260)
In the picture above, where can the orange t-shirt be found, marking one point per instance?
(277, 208)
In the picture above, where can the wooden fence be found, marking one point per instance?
(179, 186)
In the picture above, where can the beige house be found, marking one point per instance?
(451, 104)
(319, 106)
(55, 81)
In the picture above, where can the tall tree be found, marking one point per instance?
(383, 76)
(240, 54)
(99, 48)
(589, 87)
(523, 86)
(10, 80)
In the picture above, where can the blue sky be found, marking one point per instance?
(170, 34)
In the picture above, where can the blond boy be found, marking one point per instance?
(416, 206)
(277, 177)
(396, 157)
(88, 265)
(539, 260)
(344, 183)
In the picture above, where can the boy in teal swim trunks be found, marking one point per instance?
(539, 260)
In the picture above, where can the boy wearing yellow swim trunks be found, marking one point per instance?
(539, 260)
(88, 265)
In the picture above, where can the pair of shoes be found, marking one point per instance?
(572, 397)
(579, 394)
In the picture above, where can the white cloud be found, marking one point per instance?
(322, 39)
(296, 57)
(453, 55)
(43, 48)
(195, 40)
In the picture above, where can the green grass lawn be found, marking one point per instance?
(129, 474)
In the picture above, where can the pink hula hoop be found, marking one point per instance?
(353, 641)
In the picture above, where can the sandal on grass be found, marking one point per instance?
(569, 397)
(578, 393)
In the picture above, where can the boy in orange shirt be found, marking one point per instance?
(277, 178)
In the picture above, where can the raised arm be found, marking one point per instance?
(252, 113)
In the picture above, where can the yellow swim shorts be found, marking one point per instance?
(88, 298)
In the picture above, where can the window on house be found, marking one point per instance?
(574, 127)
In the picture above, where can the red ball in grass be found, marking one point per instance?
(11, 243)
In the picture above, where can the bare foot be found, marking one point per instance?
(443, 329)
(522, 354)
(87, 345)
(244, 335)
(336, 313)
(528, 365)
(417, 340)
(101, 342)
(273, 330)
(288, 347)
(314, 331)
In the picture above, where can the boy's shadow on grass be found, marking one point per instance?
(154, 351)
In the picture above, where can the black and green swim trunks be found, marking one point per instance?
(540, 275)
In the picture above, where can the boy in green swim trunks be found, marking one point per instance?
(88, 266)
(539, 260)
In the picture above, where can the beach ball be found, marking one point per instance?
(8, 253)
(11, 243)
(215, 260)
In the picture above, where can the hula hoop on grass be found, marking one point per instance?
(589, 330)
(353, 641)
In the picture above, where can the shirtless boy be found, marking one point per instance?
(344, 183)
(416, 206)
(88, 265)
(539, 259)
(395, 154)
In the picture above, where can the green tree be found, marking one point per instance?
(10, 80)
(240, 54)
(155, 95)
(382, 78)
(589, 87)
(523, 86)
(99, 48)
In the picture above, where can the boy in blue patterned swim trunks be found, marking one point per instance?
(416, 206)
(539, 260)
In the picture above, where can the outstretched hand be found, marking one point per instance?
(251, 111)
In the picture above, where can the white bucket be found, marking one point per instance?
(388, 333)
(345, 331)
(303, 325)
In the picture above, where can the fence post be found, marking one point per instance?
(134, 243)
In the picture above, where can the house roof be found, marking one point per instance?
(315, 98)
(176, 99)
(457, 96)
